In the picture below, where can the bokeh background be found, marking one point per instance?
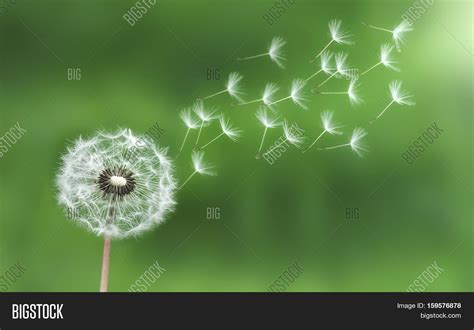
(270, 215)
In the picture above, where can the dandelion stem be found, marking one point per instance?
(263, 138)
(313, 75)
(339, 146)
(371, 68)
(280, 100)
(312, 144)
(104, 278)
(325, 81)
(380, 114)
(211, 141)
(329, 44)
(208, 97)
(186, 181)
(199, 133)
(332, 93)
(249, 102)
(184, 141)
(250, 57)
(378, 28)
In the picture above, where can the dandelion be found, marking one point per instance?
(337, 36)
(118, 185)
(295, 94)
(352, 92)
(385, 59)
(274, 52)
(267, 122)
(341, 68)
(199, 166)
(227, 129)
(204, 116)
(293, 135)
(325, 65)
(267, 96)
(328, 127)
(232, 87)
(398, 96)
(398, 33)
(355, 143)
(190, 122)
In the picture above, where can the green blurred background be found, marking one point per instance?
(270, 215)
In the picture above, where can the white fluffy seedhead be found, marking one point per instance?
(275, 52)
(339, 36)
(116, 184)
(269, 93)
(296, 92)
(398, 95)
(385, 57)
(341, 64)
(188, 119)
(356, 141)
(326, 62)
(329, 125)
(204, 115)
(200, 166)
(231, 132)
(233, 87)
(293, 134)
(353, 92)
(398, 33)
(266, 120)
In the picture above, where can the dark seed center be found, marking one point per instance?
(116, 181)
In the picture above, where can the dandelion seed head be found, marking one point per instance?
(399, 95)
(227, 129)
(275, 51)
(356, 141)
(269, 93)
(329, 125)
(266, 120)
(116, 184)
(293, 134)
(341, 63)
(386, 57)
(353, 92)
(398, 33)
(188, 119)
(233, 86)
(204, 115)
(296, 93)
(200, 166)
(325, 62)
(339, 36)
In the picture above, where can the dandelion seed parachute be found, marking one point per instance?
(118, 184)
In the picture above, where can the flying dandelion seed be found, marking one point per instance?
(267, 96)
(385, 59)
(227, 129)
(267, 122)
(292, 134)
(325, 59)
(204, 116)
(398, 33)
(352, 92)
(341, 68)
(232, 87)
(274, 52)
(355, 143)
(114, 195)
(199, 166)
(329, 126)
(296, 95)
(337, 36)
(190, 122)
(398, 96)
